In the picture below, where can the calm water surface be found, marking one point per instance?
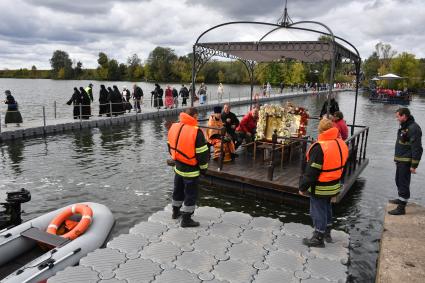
(124, 168)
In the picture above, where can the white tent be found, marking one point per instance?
(374, 79)
(390, 77)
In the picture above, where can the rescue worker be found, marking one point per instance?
(325, 163)
(189, 150)
(408, 153)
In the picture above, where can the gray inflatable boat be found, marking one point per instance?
(22, 259)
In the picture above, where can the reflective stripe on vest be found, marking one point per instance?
(335, 155)
(181, 143)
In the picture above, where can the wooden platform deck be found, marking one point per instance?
(248, 176)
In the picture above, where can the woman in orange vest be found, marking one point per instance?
(214, 137)
(189, 150)
(325, 164)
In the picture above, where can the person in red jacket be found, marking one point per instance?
(339, 123)
(247, 127)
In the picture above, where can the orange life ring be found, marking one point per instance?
(86, 218)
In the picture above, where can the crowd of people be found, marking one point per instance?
(390, 93)
(114, 102)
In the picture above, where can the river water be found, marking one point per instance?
(124, 168)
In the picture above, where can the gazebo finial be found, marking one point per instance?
(285, 20)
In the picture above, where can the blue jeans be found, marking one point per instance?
(321, 212)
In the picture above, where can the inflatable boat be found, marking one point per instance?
(33, 252)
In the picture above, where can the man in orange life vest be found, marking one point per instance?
(189, 150)
(325, 163)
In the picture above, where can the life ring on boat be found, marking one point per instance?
(86, 217)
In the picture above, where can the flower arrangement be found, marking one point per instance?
(289, 121)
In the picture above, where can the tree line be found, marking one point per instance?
(386, 60)
(164, 65)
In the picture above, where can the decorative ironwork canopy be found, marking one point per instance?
(278, 51)
(251, 53)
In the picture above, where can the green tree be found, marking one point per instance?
(60, 60)
(103, 60)
(33, 74)
(133, 63)
(114, 72)
(102, 70)
(78, 70)
(371, 66)
(297, 73)
(406, 65)
(160, 62)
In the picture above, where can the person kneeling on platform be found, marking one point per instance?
(247, 127)
(326, 159)
(189, 150)
(214, 137)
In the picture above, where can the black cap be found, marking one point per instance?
(217, 109)
(7, 92)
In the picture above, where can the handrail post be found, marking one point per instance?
(220, 165)
(110, 111)
(270, 170)
(54, 106)
(44, 116)
(81, 112)
(365, 144)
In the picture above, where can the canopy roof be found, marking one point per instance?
(390, 76)
(275, 51)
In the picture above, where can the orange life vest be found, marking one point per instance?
(212, 122)
(335, 155)
(182, 139)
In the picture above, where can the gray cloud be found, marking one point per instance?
(30, 30)
(86, 7)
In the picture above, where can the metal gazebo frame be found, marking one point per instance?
(251, 53)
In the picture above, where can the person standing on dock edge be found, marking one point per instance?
(189, 150)
(408, 153)
(326, 159)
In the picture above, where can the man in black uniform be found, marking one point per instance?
(408, 153)
(231, 122)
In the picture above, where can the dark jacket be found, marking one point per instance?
(11, 103)
(233, 121)
(138, 93)
(408, 146)
(332, 109)
(175, 93)
(103, 95)
(311, 174)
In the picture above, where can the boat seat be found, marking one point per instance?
(44, 237)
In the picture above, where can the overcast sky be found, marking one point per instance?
(30, 30)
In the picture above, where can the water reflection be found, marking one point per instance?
(124, 168)
(15, 153)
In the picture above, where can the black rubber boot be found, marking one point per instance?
(328, 237)
(399, 210)
(317, 240)
(396, 201)
(176, 212)
(187, 220)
